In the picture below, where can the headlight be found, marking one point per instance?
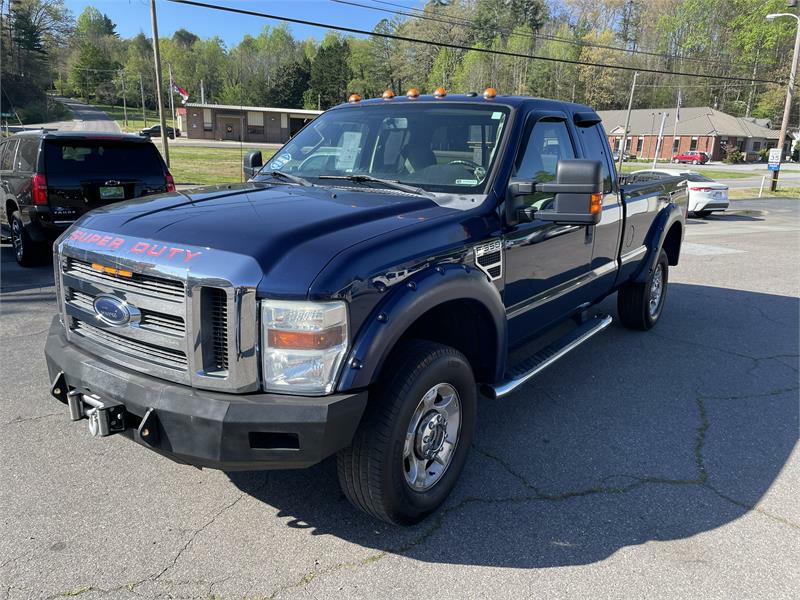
(303, 345)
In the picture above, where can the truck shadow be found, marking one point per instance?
(15, 278)
(633, 438)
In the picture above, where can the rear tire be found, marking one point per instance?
(640, 304)
(27, 252)
(424, 405)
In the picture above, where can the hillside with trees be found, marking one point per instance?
(45, 48)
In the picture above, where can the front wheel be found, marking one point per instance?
(413, 441)
(640, 304)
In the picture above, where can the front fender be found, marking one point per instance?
(669, 215)
(407, 302)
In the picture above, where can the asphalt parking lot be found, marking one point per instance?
(659, 464)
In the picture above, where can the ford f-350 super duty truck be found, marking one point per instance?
(356, 295)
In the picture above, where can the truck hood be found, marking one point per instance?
(290, 231)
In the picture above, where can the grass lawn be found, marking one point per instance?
(748, 194)
(207, 166)
(712, 173)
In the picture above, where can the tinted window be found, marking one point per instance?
(101, 158)
(26, 155)
(594, 142)
(7, 160)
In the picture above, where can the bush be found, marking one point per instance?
(763, 155)
(733, 156)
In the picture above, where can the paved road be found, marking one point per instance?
(84, 118)
(661, 464)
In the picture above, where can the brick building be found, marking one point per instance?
(700, 128)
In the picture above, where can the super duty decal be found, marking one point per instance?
(123, 245)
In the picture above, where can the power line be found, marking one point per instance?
(403, 38)
(453, 20)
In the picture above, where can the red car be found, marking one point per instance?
(696, 158)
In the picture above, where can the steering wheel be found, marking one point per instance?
(470, 165)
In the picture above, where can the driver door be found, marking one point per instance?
(547, 264)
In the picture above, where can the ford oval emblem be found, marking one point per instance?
(115, 311)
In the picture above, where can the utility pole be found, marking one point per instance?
(675, 127)
(627, 123)
(159, 96)
(144, 110)
(124, 101)
(787, 108)
(660, 135)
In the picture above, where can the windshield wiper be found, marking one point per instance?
(287, 177)
(387, 182)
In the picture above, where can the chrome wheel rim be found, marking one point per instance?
(432, 437)
(16, 238)
(656, 290)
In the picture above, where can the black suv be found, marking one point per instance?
(48, 179)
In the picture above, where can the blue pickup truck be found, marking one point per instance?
(361, 293)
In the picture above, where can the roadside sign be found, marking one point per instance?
(5, 115)
(774, 159)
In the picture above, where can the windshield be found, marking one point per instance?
(439, 148)
(695, 177)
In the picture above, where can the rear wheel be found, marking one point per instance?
(640, 304)
(413, 441)
(695, 162)
(27, 252)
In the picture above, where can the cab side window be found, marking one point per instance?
(595, 144)
(548, 142)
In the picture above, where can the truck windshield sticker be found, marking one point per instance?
(351, 144)
(279, 161)
(466, 182)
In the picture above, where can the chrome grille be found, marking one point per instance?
(165, 289)
(171, 359)
(196, 327)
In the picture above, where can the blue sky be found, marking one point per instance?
(133, 16)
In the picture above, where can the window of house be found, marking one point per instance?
(740, 145)
(255, 118)
(207, 123)
(756, 146)
(693, 145)
(628, 145)
(676, 143)
(639, 144)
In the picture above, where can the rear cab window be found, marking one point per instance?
(94, 158)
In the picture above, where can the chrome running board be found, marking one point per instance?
(532, 366)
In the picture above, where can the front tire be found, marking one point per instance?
(413, 440)
(640, 304)
(27, 252)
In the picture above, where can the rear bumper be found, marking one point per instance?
(210, 429)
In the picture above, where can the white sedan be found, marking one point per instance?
(705, 194)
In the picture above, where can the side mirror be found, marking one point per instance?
(578, 190)
(252, 164)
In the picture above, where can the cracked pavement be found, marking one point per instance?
(659, 464)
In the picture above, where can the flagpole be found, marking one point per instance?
(675, 128)
(171, 94)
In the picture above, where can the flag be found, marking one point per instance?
(176, 89)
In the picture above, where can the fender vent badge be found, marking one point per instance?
(489, 259)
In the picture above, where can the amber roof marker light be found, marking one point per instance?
(489, 93)
(439, 92)
(354, 98)
(412, 92)
(388, 95)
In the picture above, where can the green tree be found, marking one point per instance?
(330, 73)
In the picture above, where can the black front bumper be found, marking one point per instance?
(211, 429)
